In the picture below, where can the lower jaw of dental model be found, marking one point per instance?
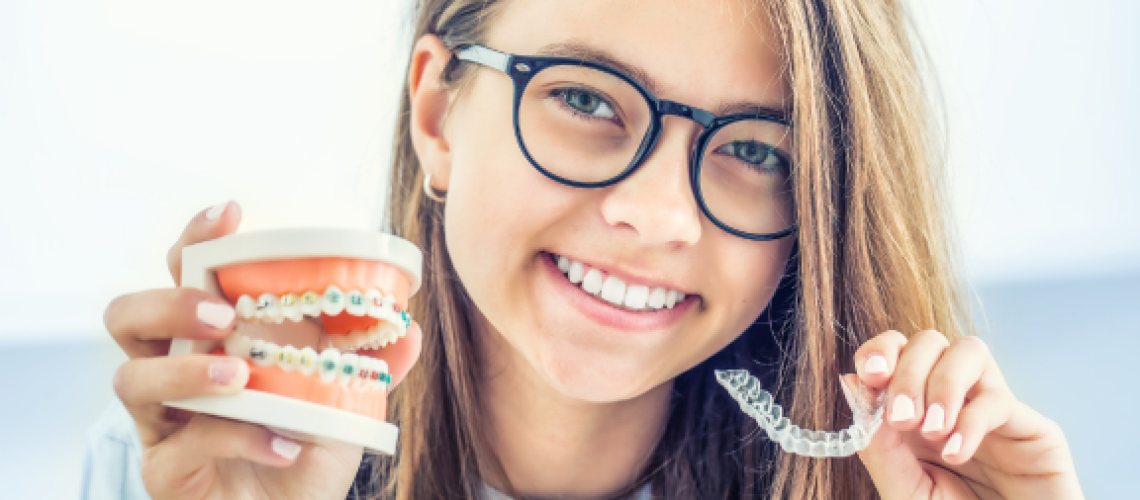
(323, 347)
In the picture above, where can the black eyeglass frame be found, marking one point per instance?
(521, 69)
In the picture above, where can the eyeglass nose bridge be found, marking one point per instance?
(677, 109)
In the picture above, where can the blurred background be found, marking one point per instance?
(121, 119)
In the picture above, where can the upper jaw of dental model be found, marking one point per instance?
(347, 369)
(615, 291)
(333, 301)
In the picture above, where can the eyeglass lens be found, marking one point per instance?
(586, 125)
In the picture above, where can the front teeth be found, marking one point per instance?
(615, 291)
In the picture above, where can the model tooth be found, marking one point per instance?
(671, 299)
(333, 301)
(592, 283)
(375, 301)
(286, 357)
(374, 380)
(329, 364)
(246, 307)
(576, 272)
(263, 353)
(307, 360)
(360, 381)
(657, 298)
(636, 296)
(355, 304)
(238, 345)
(269, 308)
(563, 264)
(613, 290)
(291, 308)
(349, 363)
(385, 377)
(311, 304)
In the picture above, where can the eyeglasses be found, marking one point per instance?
(587, 125)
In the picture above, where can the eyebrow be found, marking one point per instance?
(575, 49)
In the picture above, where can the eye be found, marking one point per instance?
(585, 102)
(756, 154)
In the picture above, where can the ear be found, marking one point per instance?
(430, 101)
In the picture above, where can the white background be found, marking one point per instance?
(121, 119)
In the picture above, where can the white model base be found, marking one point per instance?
(298, 419)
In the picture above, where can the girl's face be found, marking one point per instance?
(505, 220)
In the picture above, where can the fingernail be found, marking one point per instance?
(222, 372)
(286, 447)
(902, 408)
(935, 417)
(217, 210)
(953, 446)
(875, 365)
(216, 315)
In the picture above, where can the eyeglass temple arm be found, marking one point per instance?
(487, 57)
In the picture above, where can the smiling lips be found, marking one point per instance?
(615, 291)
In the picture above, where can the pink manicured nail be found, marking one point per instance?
(875, 365)
(935, 418)
(217, 210)
(286, 447)
(223, 372)
(902, 408)
(216, 315)
(953, 446)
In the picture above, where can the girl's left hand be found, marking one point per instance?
(952, 429)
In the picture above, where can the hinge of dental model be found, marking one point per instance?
(757, 403)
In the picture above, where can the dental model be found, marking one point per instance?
(867, 412)
(321, 314)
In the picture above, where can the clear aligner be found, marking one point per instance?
(758, 404)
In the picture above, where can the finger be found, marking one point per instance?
(184, 465)
(986, 412)
(957, 372)
(875, 360)
(218, 220)
(401, 355)
(906, 393)
(892, 465)
(144, 322)
(143, 384)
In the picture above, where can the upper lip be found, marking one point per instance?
(629, 275)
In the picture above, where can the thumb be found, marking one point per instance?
(893, 466)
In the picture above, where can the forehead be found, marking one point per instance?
(700, 52)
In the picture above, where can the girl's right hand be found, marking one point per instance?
(191, 455)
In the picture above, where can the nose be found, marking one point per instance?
(656, 201)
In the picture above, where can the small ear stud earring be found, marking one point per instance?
(431, 192)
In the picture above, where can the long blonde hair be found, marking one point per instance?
(872, 254)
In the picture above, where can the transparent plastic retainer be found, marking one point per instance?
(757, 403)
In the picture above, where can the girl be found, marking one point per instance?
(646, 192)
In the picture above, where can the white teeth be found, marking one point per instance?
(383, 377)
(592, 283)
(375, 301)
(576, 273)
(616, 291)
(349, 363)
(636, 296)
(613, 290)
(307, 361)
(330, 364)
(363, 373)
(245, 307)
(263, 353)
(290, 309)
(238, 345)
(268, 308)
(355, 304)
(334, 301)
(287, 358)
(311, 304)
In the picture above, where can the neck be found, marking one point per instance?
(554, 446)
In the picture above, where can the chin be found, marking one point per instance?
(595, 375)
